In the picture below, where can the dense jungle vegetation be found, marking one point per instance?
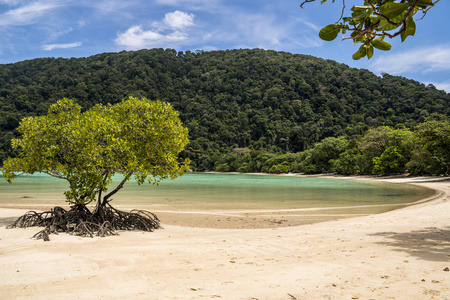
(253, 110)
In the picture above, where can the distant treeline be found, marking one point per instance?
(248, 110)
(382, 151)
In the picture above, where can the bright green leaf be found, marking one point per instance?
(330, 32)
(381, 45)
(410, 28)
(360, 53)
(369, 51)
(393, 9)
(360, 13)
(424, 3)
(385, 26)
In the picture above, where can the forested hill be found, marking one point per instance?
(270, 101)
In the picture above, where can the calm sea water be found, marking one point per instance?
(227, 192)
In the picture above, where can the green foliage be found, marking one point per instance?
(381, 45)
(384, 143)
(268, 102)
(330, 32)
(135, 136)
(320, 159)
(381, 151)
(373, 20)
(431, 153)
(280, 168)
(389, 162)
(349, 162)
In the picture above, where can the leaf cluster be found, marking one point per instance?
(374, 20)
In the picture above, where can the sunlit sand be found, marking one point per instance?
(400, 254)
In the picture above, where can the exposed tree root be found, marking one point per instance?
(80, 221)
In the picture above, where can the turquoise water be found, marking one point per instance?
(226, 192)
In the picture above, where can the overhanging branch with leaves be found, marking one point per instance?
(374, 20)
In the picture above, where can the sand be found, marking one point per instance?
(402, 254)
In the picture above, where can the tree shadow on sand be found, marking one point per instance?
(430, 243)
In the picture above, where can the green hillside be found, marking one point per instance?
(236, 103)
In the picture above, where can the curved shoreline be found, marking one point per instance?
(270, 218)
(286, 217)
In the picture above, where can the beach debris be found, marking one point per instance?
(446, 269)
(80, 221)
(292, 297)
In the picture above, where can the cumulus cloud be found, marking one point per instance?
(178, 20)
(137, 38)
(165, 34)
(421, 60)
(50, 47)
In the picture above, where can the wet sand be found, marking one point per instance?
(402, 254)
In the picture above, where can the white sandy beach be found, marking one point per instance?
(402, 254)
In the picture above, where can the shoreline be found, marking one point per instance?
(400, 254)
(261, 218)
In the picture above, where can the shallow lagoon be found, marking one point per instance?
(230, 192)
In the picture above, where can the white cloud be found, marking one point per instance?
(419, 60)
(10, 2)
(264, 30)
(137, 38)
(107, 7)
(177, 23)
(50, 47)
(442, 85)
(171, 2)
(27, 14)
(179, 20)
(310, 25)
(199, 4)
(56, 34)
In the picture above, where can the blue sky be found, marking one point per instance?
(79, 28)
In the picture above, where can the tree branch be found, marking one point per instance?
(425, 11)
(306, 1)
(118, 187)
